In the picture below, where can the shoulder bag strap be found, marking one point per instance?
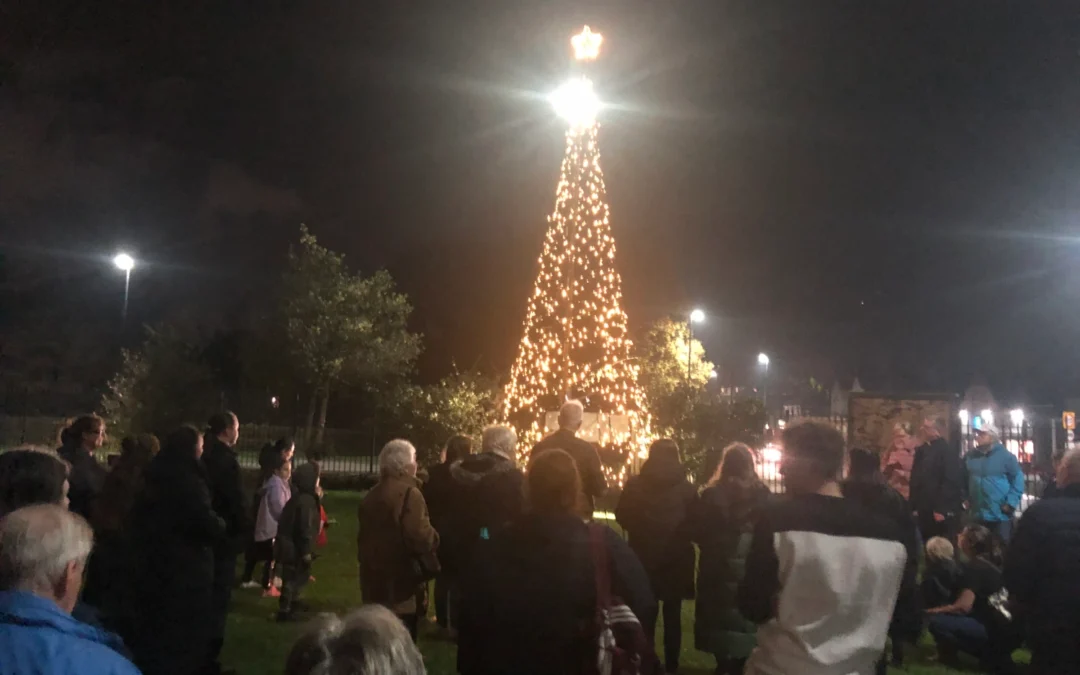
(600, 564)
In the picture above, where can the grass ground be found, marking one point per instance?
(256, 645)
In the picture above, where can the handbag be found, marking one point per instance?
(622, 647)
(424, 566)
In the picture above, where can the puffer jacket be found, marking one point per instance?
(298, 525)
(723, 527)
(994, 479)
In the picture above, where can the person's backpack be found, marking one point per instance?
(622, 647)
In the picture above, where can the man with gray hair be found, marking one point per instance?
(995, 483)
(593, 483)
(1042, 574)
(369, 641)
(396, 544)
(490, 487)
(43, 553)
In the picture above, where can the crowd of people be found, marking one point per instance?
(130, 569)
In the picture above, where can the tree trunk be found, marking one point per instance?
(323, 401)
(310, 421)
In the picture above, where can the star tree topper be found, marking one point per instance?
(586, 45)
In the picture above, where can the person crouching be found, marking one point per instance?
(298, 528)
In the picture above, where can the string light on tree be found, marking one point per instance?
(575, 342)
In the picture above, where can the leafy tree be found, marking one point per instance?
(671, 368)
(342, 328)
(715, 421)
(460, 403)
(161, 385)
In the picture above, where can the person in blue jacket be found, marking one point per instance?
(995, 483)
(43, 552)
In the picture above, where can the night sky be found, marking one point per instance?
(893, 193)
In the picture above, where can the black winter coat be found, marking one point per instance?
(1042, 574)
(491, 490)
(227, 493)
(723, 527)
(85, 481)
(529, 598)
(443, 496)
(298, 526)
(877, 496)
(655, 509)
(174, 529)
(593, 483)
(937, 479)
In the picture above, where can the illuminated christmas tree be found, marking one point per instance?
(576, 343)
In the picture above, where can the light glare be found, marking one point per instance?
(124, 262)
(697, 316)
(1017, 416)
(576, 102)
(763, 359)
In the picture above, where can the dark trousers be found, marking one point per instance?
(447, 601)
(953, 633)
(259, 551)
(928, 527)
(672, 612)
(730, 666)
(293, 579)
(1002, 529)
(224, 580)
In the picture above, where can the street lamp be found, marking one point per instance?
(696, 316)
(763, 360)
(125, 263)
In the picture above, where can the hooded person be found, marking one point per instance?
(298, 528)
(490, 487)
(655, 509)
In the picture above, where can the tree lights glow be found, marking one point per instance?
(576, 343)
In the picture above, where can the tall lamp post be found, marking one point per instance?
(696, 316)
(125, 263)
(763, 360)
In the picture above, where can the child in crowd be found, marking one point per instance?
(274, 494)
(941, 578)
(298, 530)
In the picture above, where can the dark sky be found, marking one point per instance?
(888, 189)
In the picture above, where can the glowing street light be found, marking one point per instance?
(713, 374)
(696, 316)
(987, 416)
(763, 360)
(125, 263)
(1016, 416)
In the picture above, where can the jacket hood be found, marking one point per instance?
(660, 471)
(470, 470)
(305, 478)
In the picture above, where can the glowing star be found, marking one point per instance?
(586, 45)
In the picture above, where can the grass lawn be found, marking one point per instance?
(256, 645)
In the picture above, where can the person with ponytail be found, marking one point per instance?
(81, 440)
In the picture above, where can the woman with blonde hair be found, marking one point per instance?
(722, 526)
